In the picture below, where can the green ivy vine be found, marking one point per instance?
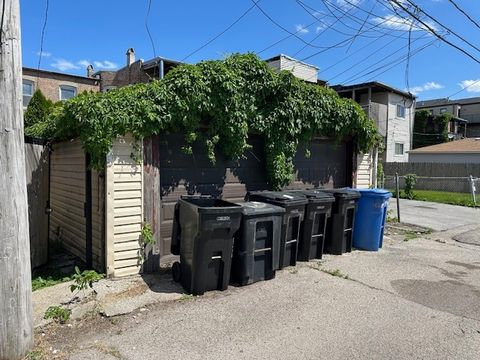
(231, 98)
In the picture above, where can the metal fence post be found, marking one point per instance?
(397, 187)
(473, 190)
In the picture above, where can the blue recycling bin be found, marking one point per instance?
(370, 219)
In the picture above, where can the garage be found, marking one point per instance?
(170, 173)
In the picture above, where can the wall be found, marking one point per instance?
(36, 165)
(445, 158)
(132, 74)
(68, 199)
(437, 176)
(299, 69)
(364, 178)
(124, 209)
(399, 130)
(49, 82)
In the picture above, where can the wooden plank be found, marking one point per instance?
(119, 238)
(135, 262)
(121, 186)
(127, 271)
(127, 169)
(133, 210)
(127, 177)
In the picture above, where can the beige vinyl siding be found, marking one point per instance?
(364, 171)
(67, 197)
(124, 197)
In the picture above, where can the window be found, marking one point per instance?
(443, 110)
(27, 88)
(400, 111)
(398, 149)
(67, 92)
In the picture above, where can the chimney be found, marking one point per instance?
(130, 56)
(90, 70)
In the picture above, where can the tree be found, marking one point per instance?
(16, 320)
(38, 109)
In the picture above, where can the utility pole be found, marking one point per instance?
(16, 321)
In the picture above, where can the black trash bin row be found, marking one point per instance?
(219, 241)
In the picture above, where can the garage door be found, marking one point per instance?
(182, 174)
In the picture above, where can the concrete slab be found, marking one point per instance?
(435, 216)
(416, 299)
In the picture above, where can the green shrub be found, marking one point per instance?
(57, 313)
(410, 181)
(85, 279)
(38, 109)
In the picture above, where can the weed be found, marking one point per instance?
(336, 272)
(58, 314)
(85, 279)
(35, 355)
(391, 218)
(187, 297)
(410, 235)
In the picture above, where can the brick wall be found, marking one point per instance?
(127, 75)
(49, 82)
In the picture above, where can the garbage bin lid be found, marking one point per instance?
(260, 208)
(375, 193)
(316, 195)
(282, 198)
(344, 193)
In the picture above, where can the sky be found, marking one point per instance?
(367, 46)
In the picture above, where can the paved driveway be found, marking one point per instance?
(434, 215)
(416, 299)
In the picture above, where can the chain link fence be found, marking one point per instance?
(461, 184)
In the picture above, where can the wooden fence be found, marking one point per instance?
(434, 176)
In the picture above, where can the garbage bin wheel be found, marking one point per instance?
(176, 271)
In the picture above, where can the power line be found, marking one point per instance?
(223, 31)
(407, 65)
(400, 4)
(276, 23)
(465, 13)
(464, 88)
(417, 8)
(40, 54)
(148, 29)
(394, 62)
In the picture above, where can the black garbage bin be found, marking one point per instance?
(294, 205)
(341, 224)
(207, 227)
(314, 225)
(256, 249)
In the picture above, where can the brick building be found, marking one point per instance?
(54, 85)
(134, 71)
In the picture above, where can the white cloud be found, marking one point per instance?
(83, 63)
(106, 65)
(431, 85)
(348, 3)
(301, 29)
(320, 28)
(44, 53)
(400, 23)
(64, 65)
(470, 85)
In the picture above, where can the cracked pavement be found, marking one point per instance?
(416, 299)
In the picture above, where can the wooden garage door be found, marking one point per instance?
(181, 174)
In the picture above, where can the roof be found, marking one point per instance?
(277, 57)
(46, 72)
(156, 60)
(446, 101)
(373, 84)
(464, 146)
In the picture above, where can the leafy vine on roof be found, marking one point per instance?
(231, 98)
